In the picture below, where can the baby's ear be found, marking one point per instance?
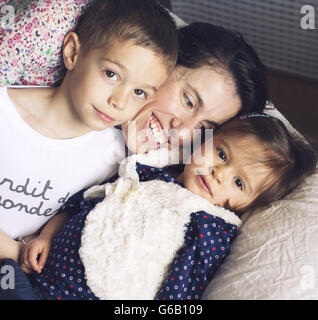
(71, 49)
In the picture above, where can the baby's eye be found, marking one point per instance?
(110, 74)
(140, 93)
(239, 183)
(222, 155)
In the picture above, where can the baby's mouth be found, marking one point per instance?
(204, 184)
(156, 130)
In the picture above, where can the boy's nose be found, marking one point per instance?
(116, 103)
(117, 100)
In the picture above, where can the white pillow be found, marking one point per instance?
(275, 255)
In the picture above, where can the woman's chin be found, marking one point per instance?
(143, 148)
(134, 148)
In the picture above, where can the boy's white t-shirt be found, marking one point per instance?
(38, 174)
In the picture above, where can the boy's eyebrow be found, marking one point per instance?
(152, 88)
(114, 62)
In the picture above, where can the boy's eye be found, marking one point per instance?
(222, 155)
(140, 93)
(110, 74)
(239, 183)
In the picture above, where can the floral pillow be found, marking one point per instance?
(31, 39)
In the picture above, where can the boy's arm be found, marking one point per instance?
(54, 226)
(35, 253)
(16, 250)
(9, 248)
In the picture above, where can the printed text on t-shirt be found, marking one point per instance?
(41, 192)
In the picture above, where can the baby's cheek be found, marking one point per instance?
(190, 184)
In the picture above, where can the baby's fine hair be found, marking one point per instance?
(145, 22)
(289, 159)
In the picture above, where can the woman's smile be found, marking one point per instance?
(155, 130)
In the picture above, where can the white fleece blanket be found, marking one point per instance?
(130, 237)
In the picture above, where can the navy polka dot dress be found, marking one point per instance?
(206, 244)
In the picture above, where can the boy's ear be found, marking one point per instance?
(71, 49)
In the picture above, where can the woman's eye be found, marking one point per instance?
(188, 101)
(140, 93)
(239, 183)
(110, 74)
(222, 155)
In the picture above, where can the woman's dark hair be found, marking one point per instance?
(289, 159)
(206, 44)
(145, 22)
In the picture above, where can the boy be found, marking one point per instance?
(119, 54)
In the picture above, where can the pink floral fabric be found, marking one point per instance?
(31, 46)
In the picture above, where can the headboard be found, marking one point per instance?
(273, 27)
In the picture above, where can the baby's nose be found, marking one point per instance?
(216, 175)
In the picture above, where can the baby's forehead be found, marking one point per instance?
(254, 159)
(234, 133)
(249, 153)
(243, 144)
(260, 175)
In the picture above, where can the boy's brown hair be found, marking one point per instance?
(145, 22)
(290, 160)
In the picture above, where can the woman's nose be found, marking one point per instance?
(175, 123)
(182, 130)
